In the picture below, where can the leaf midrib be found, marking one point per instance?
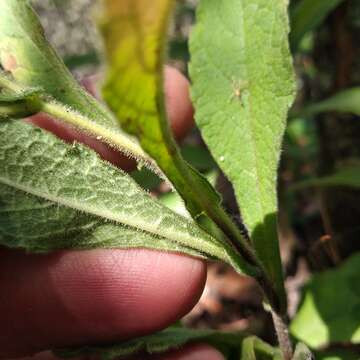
(248, 119)
(107, 215)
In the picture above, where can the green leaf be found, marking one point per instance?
(346, 101)
(25, 52)
(134, 34)
(330, 309)
(243, 86)
(8, 96)
(307, 15)
(59, 196)
(346, 177)
(302, 352)
(168, 339)
(18, 104)
(255, 349)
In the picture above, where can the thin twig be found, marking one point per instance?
(282, 333)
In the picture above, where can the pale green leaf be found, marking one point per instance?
(302, 352)
(57, 196)
(254, 348)
(26, 54)
(330, 309)
(346, 177)
(243, 86)
(307, 15)
(345, 101)
(169, 339)
(134, 32)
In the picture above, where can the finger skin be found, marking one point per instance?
(95, 296)
(179, 108)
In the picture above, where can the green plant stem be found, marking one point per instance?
(82, 122)
(282, 332)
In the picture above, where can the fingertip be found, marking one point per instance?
(96, 296)
(179, 107)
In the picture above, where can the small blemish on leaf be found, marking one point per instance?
(238, 87)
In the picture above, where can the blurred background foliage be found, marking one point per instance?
(319, 182)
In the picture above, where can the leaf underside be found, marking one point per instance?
(232, 345)
(58, 196)
(243, 86)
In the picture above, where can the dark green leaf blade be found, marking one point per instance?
(345, 101)
(243, 85)
(346, 177)
(307, 15)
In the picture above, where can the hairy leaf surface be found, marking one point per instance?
(25, 52)
(243, 85)
(55, 195)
